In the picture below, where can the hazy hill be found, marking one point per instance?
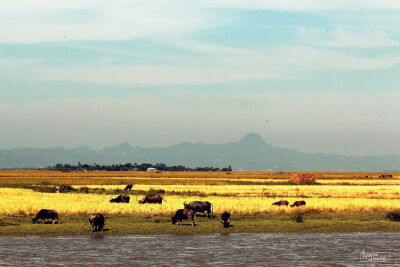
(250, 153)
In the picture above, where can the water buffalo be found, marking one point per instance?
(225, 219)
(298, 203)
(281, 203)
(183, 214)
(46, 214)
(97, 222)
(128, 187)
(200, 206)
(121, 199)
(152, 199)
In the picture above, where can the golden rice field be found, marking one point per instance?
(236, 192)
(185, 178)
(23, 201)
(274, 191)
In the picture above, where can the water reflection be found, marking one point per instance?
(97, 236)
(199, 250)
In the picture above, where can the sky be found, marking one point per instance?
(315, 75)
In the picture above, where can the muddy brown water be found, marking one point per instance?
(350, 249)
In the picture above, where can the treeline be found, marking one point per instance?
(131, 167)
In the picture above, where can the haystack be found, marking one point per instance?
(302, 178)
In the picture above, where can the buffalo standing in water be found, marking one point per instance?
(183, 214)
(121, 199)
(152, 199)
(97, 222)
(46, 214)
(200, 206)
(298, 204)
(225, 219)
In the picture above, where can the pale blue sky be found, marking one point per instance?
(324, 73)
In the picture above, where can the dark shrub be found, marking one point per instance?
(153, 191)
(297, 217)
(393, 216)
(84, 189)
(99, 190)
(43, 189)
(7, 223)
(66, 188)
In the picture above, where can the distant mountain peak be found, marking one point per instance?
(250, 153)
(81, 148)
(119, 147)
(252, 138)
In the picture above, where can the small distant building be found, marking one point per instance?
(151, 169)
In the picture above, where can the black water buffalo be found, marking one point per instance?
(225, 219)
(97, 222)
(298, 203)
(121, 199)
(46, 214)
(128, 187)
(200, 206)
(152, 199)
(281, 203)
(183, 214)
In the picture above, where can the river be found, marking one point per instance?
(355, 249)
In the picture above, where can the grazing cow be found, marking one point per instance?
(225, 219)
(128, 187)
(97, 222)
(200, 206)
(152, 199)
(298, 203)
(46, 214)
(121, 199)
(385, 176)
(183, 214)
(281, 203)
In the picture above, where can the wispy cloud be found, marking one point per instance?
(12, 68)
(52, 21)
(342, 37)
(204, 47)
(269, 64)
(310, 59)
(171, 23)
(305, 5)
(152, 75)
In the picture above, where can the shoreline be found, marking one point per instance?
(73, 225)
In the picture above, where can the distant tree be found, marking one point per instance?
(129, 167)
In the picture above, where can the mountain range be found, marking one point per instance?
(250, 153)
